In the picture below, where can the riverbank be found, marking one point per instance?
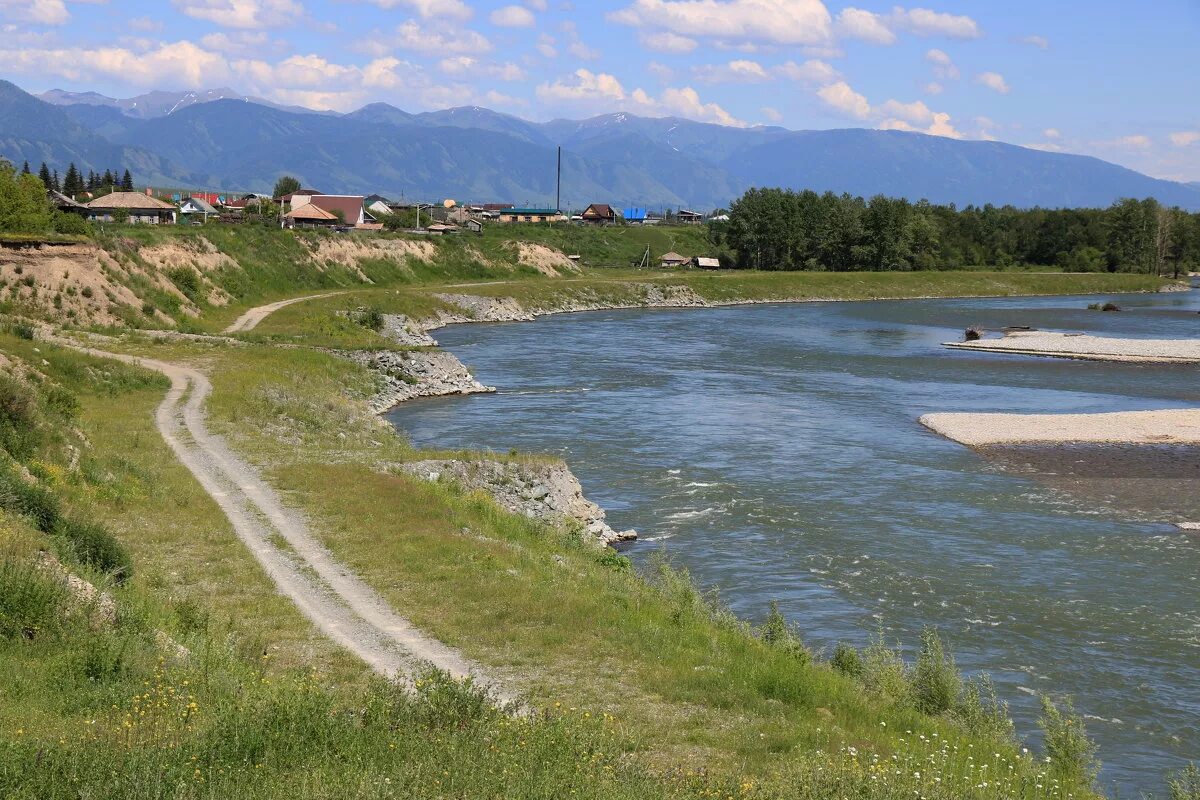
(568, 625)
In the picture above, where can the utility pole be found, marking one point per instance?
(558, 183)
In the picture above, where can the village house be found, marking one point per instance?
(690, 217)
(133, 206)
(672, 259)
(197, 207)
(310, 215)
(474, 226)
(66, 204)
(531, 215)
(297, 198)
(704, 262)
(346, 207)
(599, 214)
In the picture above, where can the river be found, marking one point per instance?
(774, 451)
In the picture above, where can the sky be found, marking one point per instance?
(1117, 80)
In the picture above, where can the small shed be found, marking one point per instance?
(474, 225)
(673, 259)
(690, 217)
(704, 262)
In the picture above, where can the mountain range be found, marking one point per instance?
(220, 139)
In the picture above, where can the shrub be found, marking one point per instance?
(615, 561)
(192, 616)
(29, 599)
(936, 683)
(23, 331)
(187, 281)
(980, 711)
(1185, 785)
(884, 670)
(33, 500)
(20, 430)
(72, 224)
(847, 661)
(1072, 754)
(148, 309)
(371, 318)
(91, 544)
(87, 292)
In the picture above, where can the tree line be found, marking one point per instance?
(74, 182)
(780, 229)
(25, 208)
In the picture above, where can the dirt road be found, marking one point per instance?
(251, 318)
(337, 601)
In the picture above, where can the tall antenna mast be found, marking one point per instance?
(558, 183)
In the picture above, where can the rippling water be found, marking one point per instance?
(775, 452)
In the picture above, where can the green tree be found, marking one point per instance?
(24, 207)
(127, 181)
(44, 174)
(1132, 227)
(25, 169)
(72, 181)
(285, 186)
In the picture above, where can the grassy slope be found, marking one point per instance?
(690, 688)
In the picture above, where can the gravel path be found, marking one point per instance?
(338, 602)
(1084, 346)
(251, 318)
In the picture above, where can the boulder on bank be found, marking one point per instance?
(548, 492)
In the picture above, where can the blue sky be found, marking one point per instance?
(1112, 79)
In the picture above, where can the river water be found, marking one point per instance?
(775, 452)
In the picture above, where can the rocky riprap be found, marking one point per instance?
(405, 374)
(548, 492)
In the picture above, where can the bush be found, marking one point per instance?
(23, 331)
(884, 670)
(777, 632)
(72, 224)
(30, 499)
(1185, 785)
(1071, 753)
(936, 683)
(20, 429)
(87, 292)
(29, 599)
(372, 319)
(91, 544)
(847, 661)
(187, 281)
(981, 712)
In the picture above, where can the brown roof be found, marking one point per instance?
(603, 210)
(305, 192)
(310, 211)
(351, 206)
(131, 200)
(62, 201)
(672, 256)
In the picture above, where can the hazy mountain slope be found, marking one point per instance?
(33, 131)
(868, 162)
(159, 103)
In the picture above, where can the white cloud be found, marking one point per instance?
(546, 47)
(661, 71)
(870, 27)
(1051, 133)
(1049, 147)
(430, 9)
(1040, 42)
(189, 65)
(933, 87)
(890, 115)
(240, 43)
(253, 14)
(601, 91)
(1185, 138)
(145, 25)
(436, 38)
(667, 42)
(789, 22)
(994, 81)
(738, 71)
(536, 5)
(466, 65)
(581, 51)
(513, 17)
(584, 86)
(813, 72)
(1136, 142)
(686, 102)
(943, 66)
(771, 114)
(843, 99)
(924, 22)
(42, 12)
